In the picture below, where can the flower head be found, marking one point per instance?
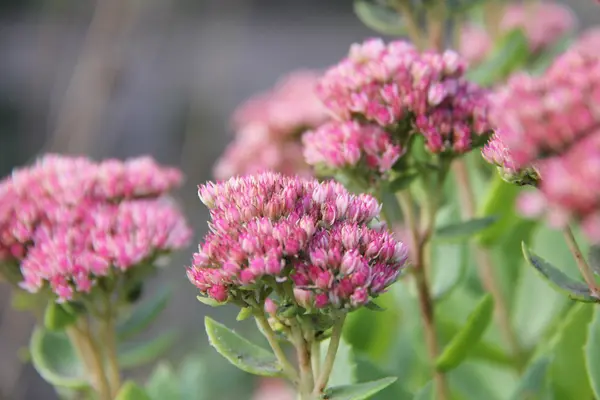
(495, 152)
(268, 129)
(314, 238)
(552, 123)
(351, 145)
(475, 43)
(543, 116)
(407, 91)
(69, 221)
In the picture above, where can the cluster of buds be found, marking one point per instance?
(542, 23)
(268, 129)
(351, 145)
(69, 221)
(406, 91)
(552, 124)
(310, 242)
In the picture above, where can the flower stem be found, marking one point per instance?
(412, 26)
(81, 338)
(316, 359)
(288, 369)
(109, 340)
(303, 353)
(582, 264)
(327, 366)
(486, 265)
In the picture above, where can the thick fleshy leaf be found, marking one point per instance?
(592, 353)
(568, 377)
(470, 334)
(56, 318)
(534, 381)
(464, 230)
(511, 52)
(193, 377)
(450, 260)
(344, 366)
(163, 383)
(499, 202)
(359, 391)
(594, 258)
(132, 355)
(55, 359)
(144, 314)
(244, 313)
(483, 350)
(131, 391)
(575, 289)
(372, 332)
(380, 18)
(209, 301)
(367, 371)
(240, 352)
(425, 393)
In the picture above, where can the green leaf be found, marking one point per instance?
(379, 18)
(368, 371)
(482, 350)
(193, 378)
(594, 258)
(360, 391)
(499, 201)
(132, 355)
(344, 366)
(56, 318)
(209, 301)
(425, 393)
(371, 332)
(534, 381)
(371, 305)
(463, 230)
(131, 391)
(592, 353)
(240, 352)
(576, 289)
(55, 359)
(22, 300)
(244, 313)
(470, 334)
(450, 260)
(568, 377)
(510, 54)
(163, 383)
(144, 314)
(403, 181)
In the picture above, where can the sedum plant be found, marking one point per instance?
(375, 219)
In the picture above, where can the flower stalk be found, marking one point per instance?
(582, 264)
(486, 266)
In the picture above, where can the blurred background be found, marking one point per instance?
(120, 78)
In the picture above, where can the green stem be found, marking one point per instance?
(288, 369)
(316, 359)
(582, 264)
(112, 368)
(82, 340)
(303, 353)
(412, 26)
(486, 266)
(327, 366)
(436, 21)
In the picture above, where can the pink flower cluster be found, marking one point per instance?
(314, 236)
(495, 152)
(268, 129)
(543, 24)
(407, 91)
(346, 144)
(552, 123)
(68, 220)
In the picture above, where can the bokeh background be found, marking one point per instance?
(119, 78)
